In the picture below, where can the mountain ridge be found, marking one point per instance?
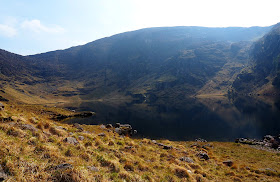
(153, 62)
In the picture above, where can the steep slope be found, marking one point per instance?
(263, 73)
(25, 80)
(154, 62)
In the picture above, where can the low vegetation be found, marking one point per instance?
(35, 148)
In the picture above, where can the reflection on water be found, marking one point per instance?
(209, 118)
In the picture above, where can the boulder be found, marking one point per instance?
(117, 125)
(186, 159)
(81, 137)
(103, 127)
(124, 129)
(268, 138)
(203, 155)
(109, 126)
(71, 140)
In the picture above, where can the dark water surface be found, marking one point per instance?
(214, 119)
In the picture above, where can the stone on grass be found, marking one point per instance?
(187, 159)
(71, 140)
(202, 155)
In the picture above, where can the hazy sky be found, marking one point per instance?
(35, 26)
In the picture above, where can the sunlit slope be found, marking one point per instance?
(157, 62)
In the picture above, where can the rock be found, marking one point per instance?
(103, 127)
(63, 166)
(79, 127)
(228, 163)
(268, 138)
(125, 129)
(200, 140)
(109, 126)
(102, 134)
(28, 127)
(167, 147)
(274, 144)
(71, 133)
(160, 144)
(203, 155)
(117, 125)
(153, 141)
(93, 168)
(118, 130)
(186, 159)
(71, 140)
(60, 128)
(3, 175)
(269, 141)
(81, 137)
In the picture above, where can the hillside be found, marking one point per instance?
(262, 76)
(154, 62)
(34, 147)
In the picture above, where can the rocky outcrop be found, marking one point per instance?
(268, 141)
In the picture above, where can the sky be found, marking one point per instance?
(36, 26)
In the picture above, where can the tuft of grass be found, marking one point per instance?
(181, 172)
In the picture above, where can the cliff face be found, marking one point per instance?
(263, 73)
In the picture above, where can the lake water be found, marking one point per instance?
(214, 119)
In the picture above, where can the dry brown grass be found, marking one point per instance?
(33, 155)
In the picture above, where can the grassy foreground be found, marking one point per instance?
(33, 148)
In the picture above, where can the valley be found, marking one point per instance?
(188, 91)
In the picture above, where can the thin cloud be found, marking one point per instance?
(7, 31)
(37, 27)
